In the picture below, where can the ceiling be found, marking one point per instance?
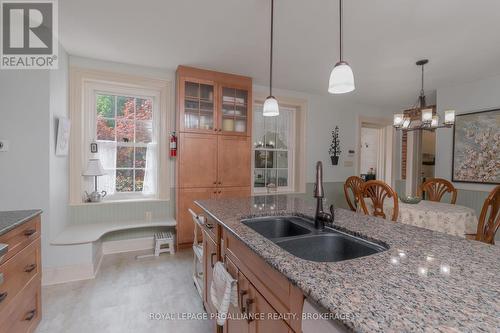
(382, 40)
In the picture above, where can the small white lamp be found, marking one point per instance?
(435, 121)
(398, 120)
(95, 169)
(427, 116)
(449, 117)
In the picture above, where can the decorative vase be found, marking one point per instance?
(335, 160)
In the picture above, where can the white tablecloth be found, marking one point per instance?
(451, 219)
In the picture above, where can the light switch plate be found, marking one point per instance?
(348, 163)
(4, 145)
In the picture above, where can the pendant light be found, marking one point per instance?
(271, 108)
(341, 78)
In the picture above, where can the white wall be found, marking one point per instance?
(464, 98)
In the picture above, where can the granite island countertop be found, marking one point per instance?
(11, 219)
(425, 281)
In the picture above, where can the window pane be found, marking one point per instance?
(105, 106)
(124, 157)
(270, 130)
(139, 180)
(144, 109)
(282, 159)
(124, 181)
(144, 131)
(258, 129)
(259, 178)
(283, 177)
(271, 177)
(125, 131)
(126, 106)
(241, 96)
(282, 135)
(271, 159)
(140, 157)
(192, 89)
(105, 129)
(260, 159)
(207, 92)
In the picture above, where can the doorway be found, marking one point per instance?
(376, 140)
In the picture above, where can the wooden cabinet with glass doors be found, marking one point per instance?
(214, 121)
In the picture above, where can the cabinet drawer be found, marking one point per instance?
(210, 228)
(18, 272)
(24, 314)
(20, 237)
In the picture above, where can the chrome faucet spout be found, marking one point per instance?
(320, 217)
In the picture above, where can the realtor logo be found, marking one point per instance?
(29, 34)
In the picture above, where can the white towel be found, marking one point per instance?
(223, 291)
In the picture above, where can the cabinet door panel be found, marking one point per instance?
(237, 324)
(197, 105)
(270, 321)
(197, 160)
(209, 259)
(234, 161)
(235, 110)
(186, 198)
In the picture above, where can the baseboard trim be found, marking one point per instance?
(71, 273)
(128, 245)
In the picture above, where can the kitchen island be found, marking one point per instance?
(424, 281)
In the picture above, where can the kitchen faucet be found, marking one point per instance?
(320, 217)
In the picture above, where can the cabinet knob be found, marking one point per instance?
(29, 232)
(29, 268)
(3, 296)
(30, 315)
(212, 259)
(220, 192)
(220, 183)
(215, 183)
(248, 302)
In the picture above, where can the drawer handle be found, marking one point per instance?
(209, 225)
(3, 296)
(249, 302)
(30, 315)
(29, 232)
(240, 300)
(29, 268)
(212, 259)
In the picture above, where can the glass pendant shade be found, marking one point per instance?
(435, 121)
(398, 120)
(426, 116)
(341, 79)
(271, 108)
(406, 122)
(449, 117)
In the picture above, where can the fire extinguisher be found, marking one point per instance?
(173, 145)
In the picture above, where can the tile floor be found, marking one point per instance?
(122, 297)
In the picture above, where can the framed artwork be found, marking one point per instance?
(62, 141)
(476, 147)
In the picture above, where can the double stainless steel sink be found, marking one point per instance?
(298, 236)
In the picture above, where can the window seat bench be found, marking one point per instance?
(92, 232)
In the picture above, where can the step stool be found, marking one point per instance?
(165, 239)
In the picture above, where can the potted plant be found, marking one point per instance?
(334, 150)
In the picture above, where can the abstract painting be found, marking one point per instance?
(476, 148)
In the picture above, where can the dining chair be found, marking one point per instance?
(377, 191)
(354, 184)
(489, 219)
(436, 188)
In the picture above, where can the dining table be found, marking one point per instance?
(448, 218)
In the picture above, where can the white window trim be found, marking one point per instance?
(290, 157)
(299, 151)
(83, 83)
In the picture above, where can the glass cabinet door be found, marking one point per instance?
(199, 106)
(234, 117)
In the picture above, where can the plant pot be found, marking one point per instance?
(335, 160)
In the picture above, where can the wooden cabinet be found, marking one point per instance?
(185, 201)
(234, 161)
(20, 279)
(197, 160)
(265, 296)
(214, 114)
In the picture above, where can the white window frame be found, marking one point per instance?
(117, 90)
(291, 152)
(84, 85)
